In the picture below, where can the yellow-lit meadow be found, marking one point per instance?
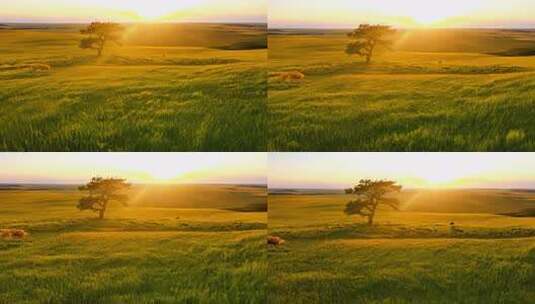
(138, 254)
(406, 257)
(167, 88)
(436, 90)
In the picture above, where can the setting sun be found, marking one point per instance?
(136, 167)
(152, 12)
(164, 172)
(430, 17)
(432, 12)
(134, 11)
(156, 9)
(413, 170)
(409, 13)
(444, 177)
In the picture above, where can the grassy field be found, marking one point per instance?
(437, 90)
(170, 87)
(138, 254)
(410, 256)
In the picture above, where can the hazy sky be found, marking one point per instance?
(249, 168)
(133, 10)
(412, 170)
(402, 13)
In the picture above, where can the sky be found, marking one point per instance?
(411, 170)
(402, 13)
(133, 10)
(76, 168)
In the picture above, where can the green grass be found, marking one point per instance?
(435, 91)
(152, 94)
(407, 257)
(138, 254)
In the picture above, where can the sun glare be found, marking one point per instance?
(426, 18)
(404, 14)
(412, 170)
(157, 9)
(151, 12)
(439, 179)
(443, 174)
(432, 12)
(164, 172)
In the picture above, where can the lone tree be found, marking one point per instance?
(366, 38)
(371, 194)
(99, 34)
(101, 191)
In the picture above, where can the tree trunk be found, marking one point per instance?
(102, 211)
(370, 54)
(372, 214)
(370, 219)
(101, 46)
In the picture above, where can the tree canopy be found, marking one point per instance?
(99, 33)
(100, 192)
(367, 38)
(371, 194)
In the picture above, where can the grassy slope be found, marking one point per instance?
(443, 95)
(409, 257)
(136, 98)
(225, 197)
(136, 255)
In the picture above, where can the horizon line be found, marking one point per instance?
(413, 188)
(134, 22)
(531, 27)
(133, 183)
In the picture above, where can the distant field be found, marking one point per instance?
(192, 87)
(437, 90)
(495, 201)
(407, 257)
(138, 254)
